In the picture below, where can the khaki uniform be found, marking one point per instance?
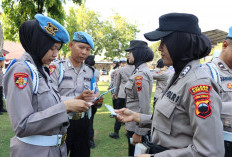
(138, 90)
(186, 118)
(226, 91)
(122, 77)
(34, 114)
(161, 78)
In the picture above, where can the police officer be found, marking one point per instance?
(38, 117)
(122, 77)
(111, 85)
(186, 119)
(91, 62)
(161, 75)
(138, 88)
(1, 88)
(221, 70)
(73, 77)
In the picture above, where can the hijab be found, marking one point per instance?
(142, 55)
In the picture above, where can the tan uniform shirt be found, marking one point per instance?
(138, 90)
(226, 91)
(161, 78)
(186, 118)
(73, 83)
(122, 77)
(38, 114)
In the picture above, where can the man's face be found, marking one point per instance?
(79, 51)
(165, 54)
(51, 54)
(122, 64)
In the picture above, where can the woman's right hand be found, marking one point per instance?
(126, 115)
(76, 105)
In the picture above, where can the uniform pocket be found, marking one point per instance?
(67, 84)
(129, 89)
(163, 115)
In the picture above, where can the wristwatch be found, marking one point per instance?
(152, 155)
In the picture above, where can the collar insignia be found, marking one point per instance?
(185, 71)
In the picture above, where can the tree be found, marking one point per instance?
(111, 37)
(154, 47)
(18, 11)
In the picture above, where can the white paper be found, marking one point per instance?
(140, 149)
(111, 109)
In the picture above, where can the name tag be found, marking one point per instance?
(87, 79)
(67, 78)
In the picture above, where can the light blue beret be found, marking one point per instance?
(230, 33)
(53, 28)
(84, 38)
(123, 59)
(2, 58)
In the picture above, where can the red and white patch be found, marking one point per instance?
(52, 68)
(229, 86)
(20, 80)
(139, 86)
(203, 108)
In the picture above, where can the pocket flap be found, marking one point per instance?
(166, 108)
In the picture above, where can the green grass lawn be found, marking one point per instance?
(103, 125)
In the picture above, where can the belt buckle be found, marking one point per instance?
(63, 139)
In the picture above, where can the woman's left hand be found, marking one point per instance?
(136, 138)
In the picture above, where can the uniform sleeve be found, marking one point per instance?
(204, 108)
(159, 76)
(142, 84)
(25, 121)
(117, 82)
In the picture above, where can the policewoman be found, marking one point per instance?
(73, 77)
(186, 119)
(38, 117)
(138, 89)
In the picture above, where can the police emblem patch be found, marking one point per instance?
(229, 86)
(139, 86)
(51, 29)
(139, 78)
(202, 107)
(200, 88)
(20, 80)
(79, 37)
(52, 68)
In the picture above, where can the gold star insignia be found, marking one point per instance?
(51, 29)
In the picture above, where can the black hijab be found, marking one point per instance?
(185, 47)
(142, 55)
(35, 42)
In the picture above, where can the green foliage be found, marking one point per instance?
(16, 12)
(155, 47)
(110, 37)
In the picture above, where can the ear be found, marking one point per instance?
(70, 44)
(224, 44)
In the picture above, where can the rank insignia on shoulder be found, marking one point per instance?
(221, 66)
(52, 68)
(200, 88)
(139, 78)
(229, 86)
(20, 80)
(185, 71)
(202, 104)
(139, 86)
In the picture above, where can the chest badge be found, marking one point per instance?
(52, 68)
(21, 80)
(229, 86)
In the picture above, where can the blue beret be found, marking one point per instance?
(2, 58)
(115, 60)
(230, 33)
(53, 28)
(84, 38)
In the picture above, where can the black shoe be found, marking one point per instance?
(114, 135)
(92, 144)
(3, 110)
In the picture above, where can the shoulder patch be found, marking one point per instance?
(200, 88)
(21, 80)
(202, 105)
(185, 71)
(139, 86)
(52, 68)
(139, 78)
(229, 86)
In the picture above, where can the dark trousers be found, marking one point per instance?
(115, 103)
(1, 101)
(131, 148)
(91, 130)
(77, 140)
(228, 149)
(120, 104)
